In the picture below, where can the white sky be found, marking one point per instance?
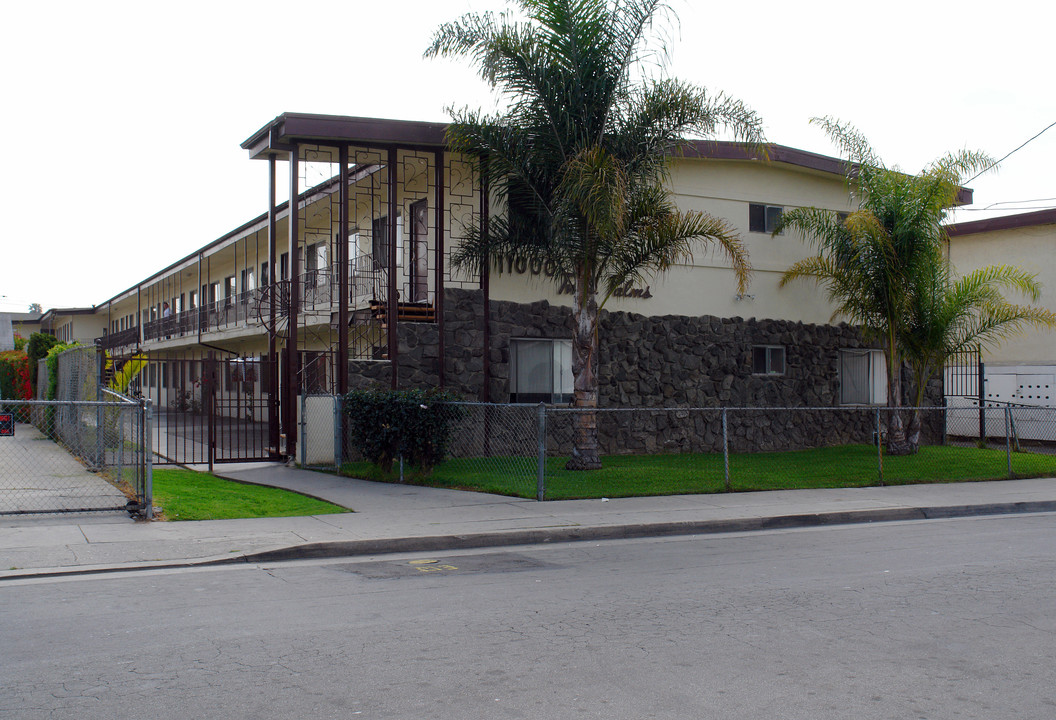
(122, 120)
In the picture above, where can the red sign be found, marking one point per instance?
(7, 425)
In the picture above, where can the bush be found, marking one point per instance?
(413, 424)
(52, 359)
(15, 381)
(20, 343)
(38, 346)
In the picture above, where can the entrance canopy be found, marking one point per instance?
(281, 134)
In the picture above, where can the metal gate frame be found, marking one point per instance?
(964, 370)
(208, 409)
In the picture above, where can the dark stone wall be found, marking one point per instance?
(653, 362)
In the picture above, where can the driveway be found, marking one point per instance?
(38, 475)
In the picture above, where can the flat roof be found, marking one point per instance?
(279, 135)
(1004, 222)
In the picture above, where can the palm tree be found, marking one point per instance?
(949, 315)
(870, 260)
(580, 156)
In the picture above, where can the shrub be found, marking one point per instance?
(52, 359)
(38, 346)
(15, 381)
(413, 424)
(20, 343)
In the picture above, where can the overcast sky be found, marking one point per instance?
(122, 120)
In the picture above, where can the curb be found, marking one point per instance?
(437, 543)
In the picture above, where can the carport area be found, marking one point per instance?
(38, 475)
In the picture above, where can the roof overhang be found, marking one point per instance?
(1005, 222)
(770, 152)
(279, 136)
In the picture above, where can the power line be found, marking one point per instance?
(1009, 154)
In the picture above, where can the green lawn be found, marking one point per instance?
(189, 495)
(635, 475)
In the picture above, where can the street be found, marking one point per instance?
(925, 619)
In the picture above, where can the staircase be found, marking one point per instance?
(405, 312)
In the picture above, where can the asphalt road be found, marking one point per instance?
(935, 619)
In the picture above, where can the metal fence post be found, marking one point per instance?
(304, 428)
(725, 451)
(339, 419)
(100, 413)
(1008, 440)
(540, 465)
(981, 382)
(879, 450)
(148, 459)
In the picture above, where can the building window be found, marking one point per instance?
(863, 377)
(768, 360)
(763, 218)
(540, 370)
(380, 241)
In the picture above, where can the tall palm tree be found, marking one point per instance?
(870, 260)
(580, 157)
(948, 315)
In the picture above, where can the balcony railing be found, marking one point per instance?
(317, 292)
(121, 338)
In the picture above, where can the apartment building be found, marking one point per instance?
(353, 284)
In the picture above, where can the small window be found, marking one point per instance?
(863, 377)
(768, 360)
(540, 370)
(763, 218)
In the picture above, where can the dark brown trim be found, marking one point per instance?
(293, 128)
(438, 181)
(292, 357)
(342, 264)
(1005, 222)
(485, 280)
(393, 298)
(274, 403)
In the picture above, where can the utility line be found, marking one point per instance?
(1009, 154)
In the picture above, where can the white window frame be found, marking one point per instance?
(771, 354)
(875, 389)
(771, 213)
(559, 371)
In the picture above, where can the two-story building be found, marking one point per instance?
(353, 284)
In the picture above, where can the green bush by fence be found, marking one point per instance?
(384, 425)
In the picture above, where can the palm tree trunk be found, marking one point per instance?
(585, 379)
(896, 429)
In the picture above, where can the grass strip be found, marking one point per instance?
(189, 495)
(688, 473)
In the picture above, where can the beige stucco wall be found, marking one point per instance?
(1031, 249)
(706, 286)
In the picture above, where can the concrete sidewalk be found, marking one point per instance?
(404, 518)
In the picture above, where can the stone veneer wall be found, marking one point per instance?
(653, 362)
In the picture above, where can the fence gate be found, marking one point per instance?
(208, 409)
(964, 387)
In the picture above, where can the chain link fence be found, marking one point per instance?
(87, 450)
(523, 450)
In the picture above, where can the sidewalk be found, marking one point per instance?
(405, 518)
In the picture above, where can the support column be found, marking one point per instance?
(273, 292)
(393, 295)
(342, 264)
(485, 278)
(289, 424)
(438, 300)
